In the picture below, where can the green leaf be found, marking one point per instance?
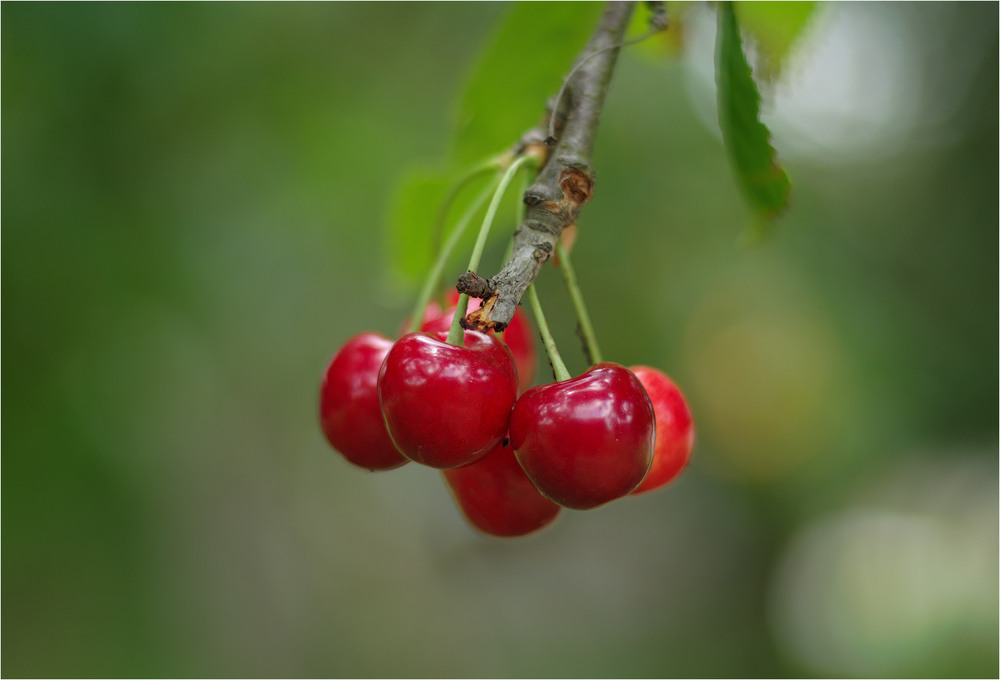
(411, 225)
(774, 27)
(505, 96)
(521, 69)
(424, 210)
(748, 141)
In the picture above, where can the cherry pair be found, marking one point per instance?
(350, 414)
(577, 443)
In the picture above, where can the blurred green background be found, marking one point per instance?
(194, 207)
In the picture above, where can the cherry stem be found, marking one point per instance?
(590, 345)
(456, 334)
(434, 278)
(494, 164)
(518, 218)
(558, 367)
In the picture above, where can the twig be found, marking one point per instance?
(566, 181)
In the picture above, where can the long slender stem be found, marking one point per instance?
(558, 367)
(518, 218)
(519, 211)
(434, 278)
(456, 334)
(494, 164)
(586, 328)
(491, 213)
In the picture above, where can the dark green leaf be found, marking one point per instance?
(521, 69)
(748, 141)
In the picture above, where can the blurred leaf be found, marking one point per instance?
(521, 69)
(774, 27)
(427, 207)
(412, 222)
(748, 141)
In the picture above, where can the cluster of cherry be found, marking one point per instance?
(511, 460)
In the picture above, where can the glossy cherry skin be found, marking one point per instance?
(674, 428)
(588, 440)
(445, 406)
(518, 336)
(497, 497)
(348, 404)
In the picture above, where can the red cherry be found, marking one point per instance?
(518, 336)
(674, 428)
(445, 406)
(348, 404)
(585, 441)
(497, 497)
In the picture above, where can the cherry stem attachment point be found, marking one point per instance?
(591, 347)
(456, 334)
(558, 367)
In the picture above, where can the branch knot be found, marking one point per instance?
(475, 286)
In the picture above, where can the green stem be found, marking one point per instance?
(434, 278)
(456, 334)
(558, 367)
(569, 275)
(518, 218)
(492, 165)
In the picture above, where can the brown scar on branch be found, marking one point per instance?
(576, 185)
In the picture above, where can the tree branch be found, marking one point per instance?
(565, 182)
